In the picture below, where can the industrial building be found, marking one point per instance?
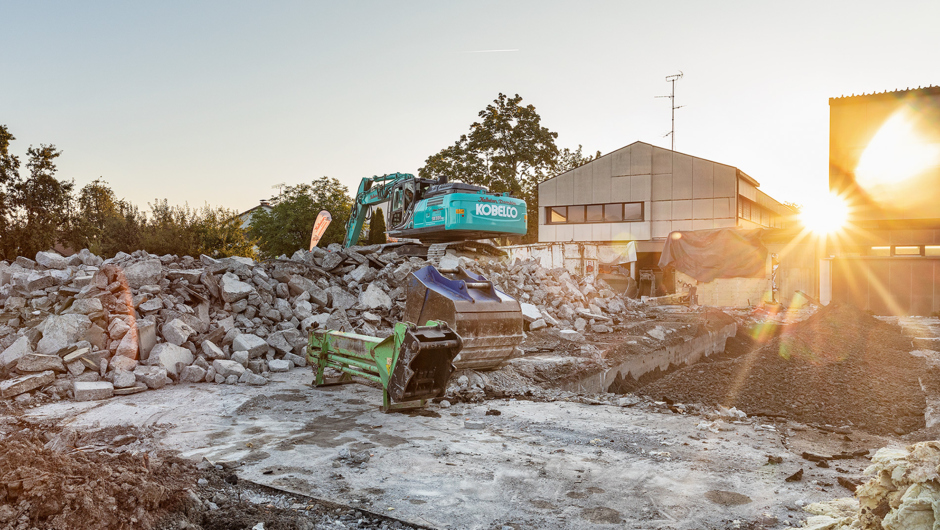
(640, 193)
(884, 152)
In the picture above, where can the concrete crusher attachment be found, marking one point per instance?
(488, 320)
(413, 365)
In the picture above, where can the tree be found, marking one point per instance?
(377, 228)
(286, 228)
(9, 178)
(42, 205)
(507, 151)
(220, 235)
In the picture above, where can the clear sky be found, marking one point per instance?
(217, 102)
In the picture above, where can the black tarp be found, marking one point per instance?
(720, 253)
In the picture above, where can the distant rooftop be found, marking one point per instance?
(927, 90)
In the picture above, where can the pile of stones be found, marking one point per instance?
(86, 328)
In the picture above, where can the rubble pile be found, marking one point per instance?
(88, 328)
(904, 492)
(841, 367)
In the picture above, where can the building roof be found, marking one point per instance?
(740, 173)
(927, 90)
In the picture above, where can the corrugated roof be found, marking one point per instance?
(893, 93)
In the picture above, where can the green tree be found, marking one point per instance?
(569, 159)
(43, 204)
(220, 235)
(508, 150)
(9, 179)
(377, 228)
(286, 228)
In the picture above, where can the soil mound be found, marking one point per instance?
(50, 482)
(840, 367)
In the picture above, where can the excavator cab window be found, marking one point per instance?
(398, 203)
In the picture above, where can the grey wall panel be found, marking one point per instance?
(661, 211)
(681, 210)
(703, 209)
(660, 229)
(681, 176)
(662, 161)
(583, 184)
(724, 181)
(547, 195)
(564, 232)
(564, 188)
(640, 188)
(723, 207)
(602, 180)
(546, 233)
(641, 159)
(703, 179)
(600, 232)
(619, 189)
(640, 231)
(583, 232)
(725, 223)
(661, 187)
(681, 226)
(620, 162)
(703, 224)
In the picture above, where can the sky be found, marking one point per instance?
(219, 102)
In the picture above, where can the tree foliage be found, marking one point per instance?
(286, 228)
(508, 150)
(377, 228)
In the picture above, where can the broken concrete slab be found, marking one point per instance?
(168, 355)
(60, 331)
(15, 351)
(35, 362)
(147, 272)
(177, 332)
(253, 344)
(18, 385)
(226, 369)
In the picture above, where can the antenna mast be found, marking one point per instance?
(672, 103)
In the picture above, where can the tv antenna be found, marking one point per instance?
(672, 103)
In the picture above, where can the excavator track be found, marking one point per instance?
(438, 250)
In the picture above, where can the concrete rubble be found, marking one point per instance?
(140, 321)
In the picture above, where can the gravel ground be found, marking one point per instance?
(841, 367)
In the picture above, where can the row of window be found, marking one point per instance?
(595, 213)
(906, 250)
(750, 210)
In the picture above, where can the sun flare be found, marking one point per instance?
(825, 215)
(898, 152)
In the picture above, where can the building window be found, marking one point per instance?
(613, 212)
(932, 250)
(595, 213)
(907, 251)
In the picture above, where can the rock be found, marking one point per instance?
(530, 313)
(253, 344)
(537, 325)
(88, 391)
(580, 324)
(303, 309)
(314, 322)
(147, 272)
(241, 357)
(34, 362)
(226, 369)
(341, 299)
(51, 260)
(124, 379)
(362, 274)
(449, 262)
(177, 332)
(97, 337)
(332, 260)
(18, 385)
(285, 341)
(601, 328)
(152, 376)
(118, 329)
(572, 335)
(475, 425)
(374, 297)
(60, 331)
(256, 380)
(211, 351)
(192, 374)
(167, 355)
(15, 351)
(84, 306)
(279, 365)
(154, 304)
(146, 336)
(296, 359)
(129, 345)
(627, 401)
(234, 289)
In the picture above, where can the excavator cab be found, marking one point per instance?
(403, 197)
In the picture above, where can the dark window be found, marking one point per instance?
(576, 214)
(747, 210)
(613, 212)
(557, 214)
(633, 211)
(595, 213)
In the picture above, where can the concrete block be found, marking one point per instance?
(661, 187)
(641, 159)
(662, 161)
(278, 365)
(640, 188)
(724, 180)
(681, 176)
(146, 336)
(661, 211)
(18, 385)
(15, 351)
(35, 362)
(620, 162)
(681, 210)
(703, 209)
(91, 391)
(619, 189)
(703, 179)
(167, 356)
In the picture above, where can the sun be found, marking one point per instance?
(826, 214)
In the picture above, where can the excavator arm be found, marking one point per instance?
(372, 190)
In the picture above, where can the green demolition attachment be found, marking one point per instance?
(413, 365)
